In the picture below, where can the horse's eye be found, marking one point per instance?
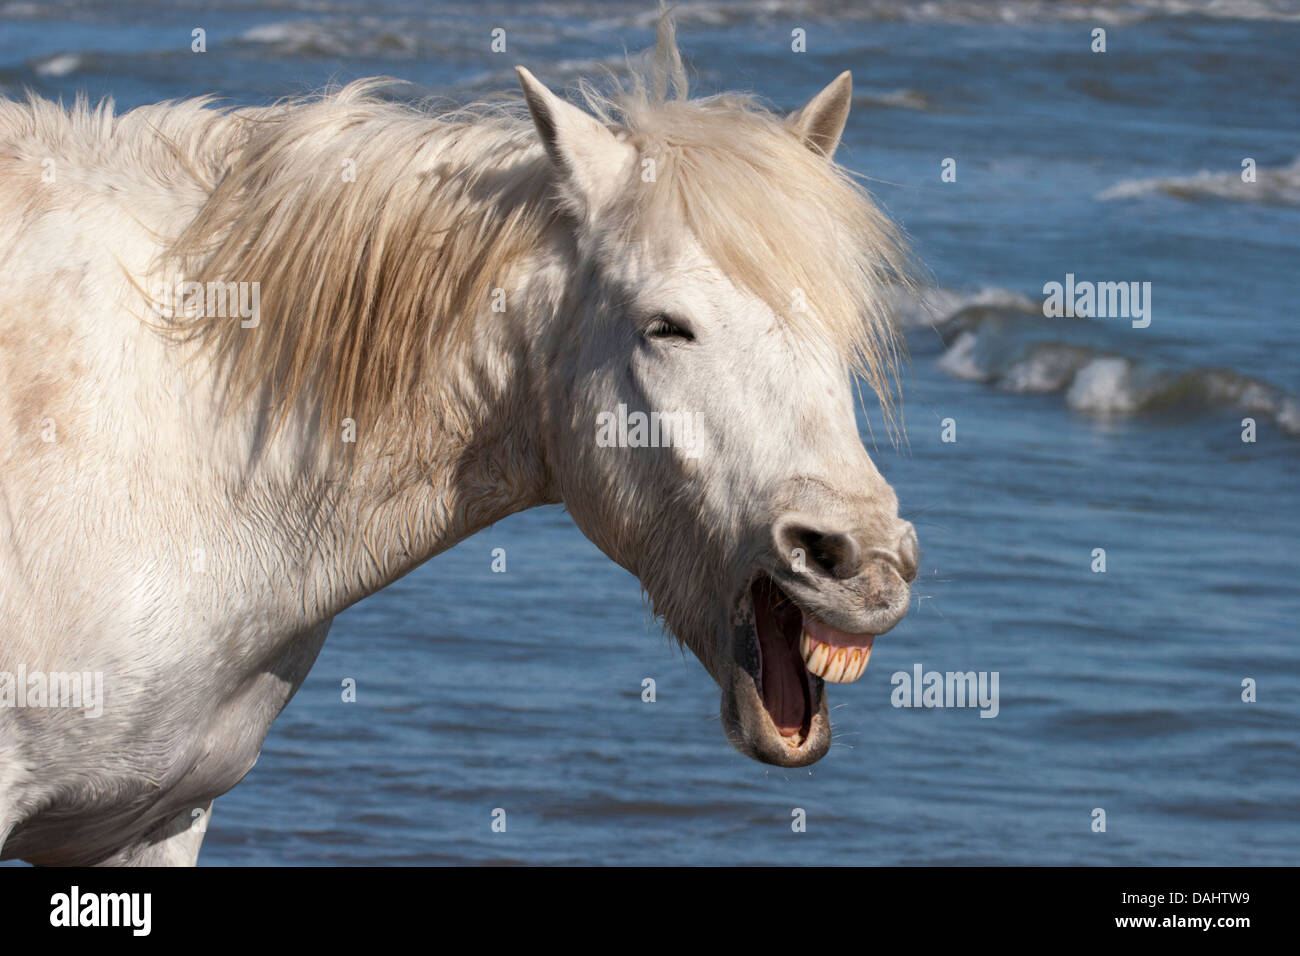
(662, 327)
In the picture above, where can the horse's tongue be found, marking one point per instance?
(784, 678)
(783, 691)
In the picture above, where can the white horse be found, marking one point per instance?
(256, 364)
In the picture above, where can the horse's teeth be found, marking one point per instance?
(815, 654)
(839, 665)
(834, 671)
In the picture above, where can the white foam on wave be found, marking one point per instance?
(1047, 368)
(903, 99)
(959, 359)
(934, 305)
(1104, 387)
(1227, 9)
(1277, 184)
(1001, 348)
(274, 32)
(1105, 12)
(342, 37)
(1288, 416)
(60, 64)
(560, 74)
(295, 36)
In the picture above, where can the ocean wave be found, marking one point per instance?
(619, 14)
(994, 336)
(935, 304)
(59, 64)
(1107, 12)
(20, 10)
(333, 38)
(561, 74)
(1278, 184)
(902, 99)
(1112, 385)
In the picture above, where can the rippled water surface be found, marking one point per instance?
(1119, 690)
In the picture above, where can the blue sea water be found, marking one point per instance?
(1120, 691)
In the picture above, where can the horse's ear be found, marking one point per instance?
(590, 160)
(821, 122)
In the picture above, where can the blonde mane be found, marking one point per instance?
(365, 280)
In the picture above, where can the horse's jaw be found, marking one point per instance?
(774, 706)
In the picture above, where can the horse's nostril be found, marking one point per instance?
(838, 554)
(909, 553)
(831, 552)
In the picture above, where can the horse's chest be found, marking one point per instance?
(169, 740)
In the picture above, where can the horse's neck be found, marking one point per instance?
(345, 518)
(341, 519)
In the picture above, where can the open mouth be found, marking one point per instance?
(792, 653)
